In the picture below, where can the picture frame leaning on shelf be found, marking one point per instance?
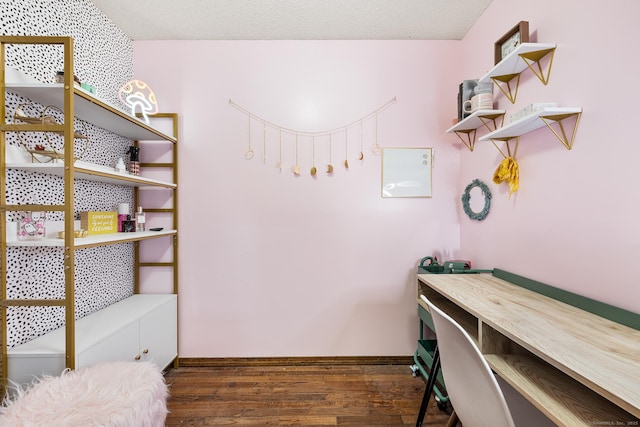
(510, 40)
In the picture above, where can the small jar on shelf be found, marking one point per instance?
(32, 225)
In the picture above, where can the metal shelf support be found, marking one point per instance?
(489, 121)
(562, 135)
(533, 60)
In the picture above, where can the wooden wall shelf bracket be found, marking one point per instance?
(504, 84)
(534, 58)
(562, 135)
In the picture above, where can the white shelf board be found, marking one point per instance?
(527, 124)
(512, 63)
(95, 240)
(90, 109)
(474, 121)
(94, 327)
(92, 172)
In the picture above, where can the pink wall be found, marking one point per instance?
(573, 224)
(273, 265)
(277, 265)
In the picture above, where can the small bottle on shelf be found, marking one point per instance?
(140, 220)
(134, 160)
(120, 167)
(123, 211)
(128, 225)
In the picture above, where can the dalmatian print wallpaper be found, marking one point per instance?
(103, 57)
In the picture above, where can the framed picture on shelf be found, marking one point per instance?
(508, 43)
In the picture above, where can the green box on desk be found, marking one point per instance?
(99, 222)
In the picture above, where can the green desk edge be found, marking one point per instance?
(615, 314)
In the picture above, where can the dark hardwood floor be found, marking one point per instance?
(342, 395)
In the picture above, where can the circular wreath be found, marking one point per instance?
(466, 197)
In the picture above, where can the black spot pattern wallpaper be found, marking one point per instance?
(103, 57)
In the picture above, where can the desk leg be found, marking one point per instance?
(453, 420)
(431, 382)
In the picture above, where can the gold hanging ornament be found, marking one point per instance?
(313, 157)
(329, 166)
(296, 167)
(346, 148)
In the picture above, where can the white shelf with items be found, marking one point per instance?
(92, 172)
(94, 240)
(466, 129)
(91, 109)
(544, 117)
(526, 55)
(80, 342)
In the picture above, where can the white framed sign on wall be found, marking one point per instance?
(406, 172)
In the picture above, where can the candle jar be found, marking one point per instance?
(32, 226)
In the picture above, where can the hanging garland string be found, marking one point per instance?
(313, 156)
(330, 165)
(264, 143)
(249, 153)
(280, 164)
(296, 167)
(346, 148)
(466, 197)
(361, 155)
(376, 149)
(315, 133)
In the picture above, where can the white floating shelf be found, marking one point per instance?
(92, 172)
(474, 121)
(528, 124)
(95, 240)
(90, 109)
(512, 63)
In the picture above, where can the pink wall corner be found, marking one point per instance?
(572, 224)
(277, 265)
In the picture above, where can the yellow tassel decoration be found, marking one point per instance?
(508, 171)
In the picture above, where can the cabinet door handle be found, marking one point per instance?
(145, 351)
(138, 357)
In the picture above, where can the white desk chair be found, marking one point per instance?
(472, 388)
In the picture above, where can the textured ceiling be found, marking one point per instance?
(293, 19)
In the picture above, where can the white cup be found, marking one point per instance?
(482, 101)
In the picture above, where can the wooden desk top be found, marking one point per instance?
(600, 354)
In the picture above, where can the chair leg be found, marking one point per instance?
(453, 419)
(431, 382)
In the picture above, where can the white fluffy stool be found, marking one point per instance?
(115, 394)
